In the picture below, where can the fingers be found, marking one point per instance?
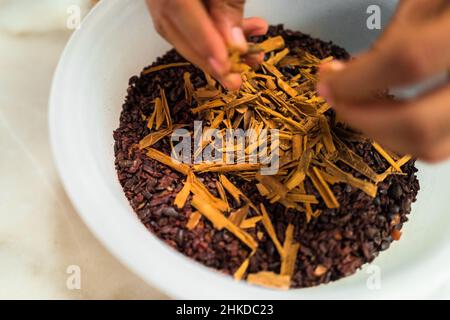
(439, 153)
(172, 35)
(398, 60)
(227, 17)
(420, 10)
(413, 48)
(203, 37)
(254, 26)
(189, 28)
(254, 60)
(194, 24)
(420, 128)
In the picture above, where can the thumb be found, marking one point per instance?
(355, 81)
(227, 15)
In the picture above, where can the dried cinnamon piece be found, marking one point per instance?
(166, 109)
(165, 159)
(222, 194)
(270, 280)
(286, 88)
(188, 87)
(159, 114)
(165, 66)
(217, 120)
(304, 198)
(278, 56)
(235, 192)
(231, 188)
(211, 83)
(298, 176)
(271, 44)
(154, 137)
(181, 198)
(239, 273)
(326, 134)
(273, 70)
(262, 190)
(322, 187)
(220, 221)
(238, 216)
(309, 212)
(356, 162)
(250, 222)
(297, 146)
(277, 189)
(216, 103)
(386, 156)
(391, 170)
(278, 115)
(200, 190)
(270, 229)
(290, 250)
(341, 176)
(241, 101)
(193, 221)
(223, 168)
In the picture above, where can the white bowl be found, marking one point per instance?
(115, 42)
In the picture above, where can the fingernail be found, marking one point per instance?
(325, 92)
(333, 66)
(238, 38)
(336, 65)
(231, 81)
(216, 66)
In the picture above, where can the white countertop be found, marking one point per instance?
(40, 233)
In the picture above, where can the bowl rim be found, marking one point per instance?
(177, 285)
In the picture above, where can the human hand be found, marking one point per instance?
(203, 31)
(414, 47)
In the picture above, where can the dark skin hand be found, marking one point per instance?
(414, 47)
(202, 32)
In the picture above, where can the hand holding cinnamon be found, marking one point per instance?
(204, 31)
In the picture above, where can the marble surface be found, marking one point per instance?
(41, 235)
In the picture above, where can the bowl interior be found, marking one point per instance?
(115, 42)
